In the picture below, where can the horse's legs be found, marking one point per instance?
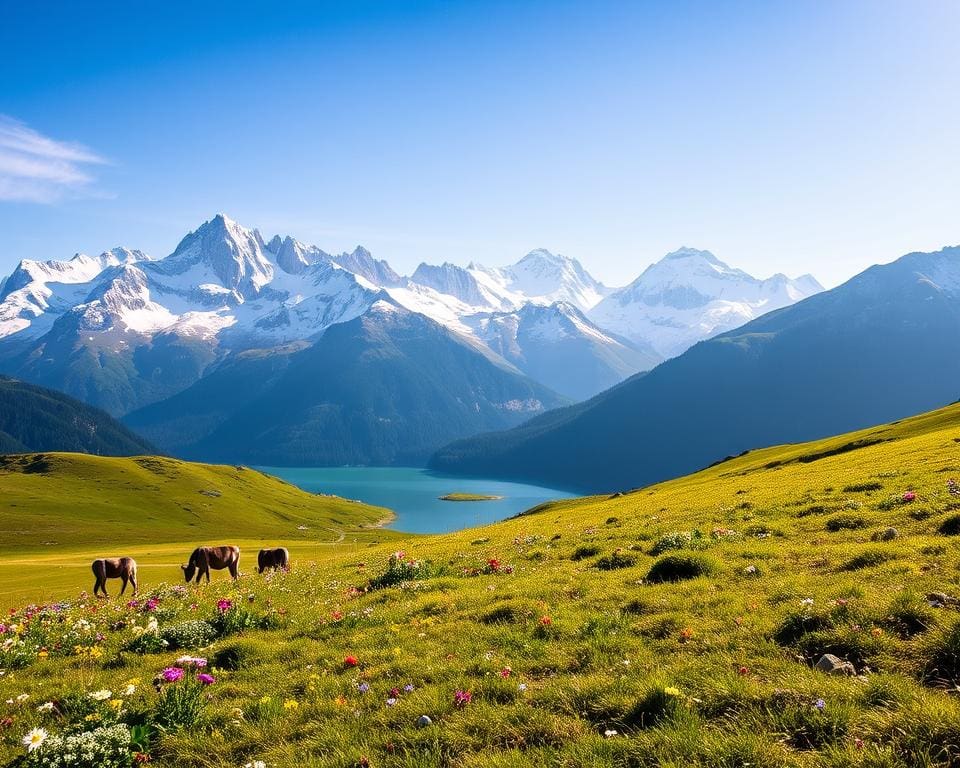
(133, 579)
(96, 587)
(123, 579)
(233, 571)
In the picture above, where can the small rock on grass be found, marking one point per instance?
(887, 534)
(834, 665)
(941, 599)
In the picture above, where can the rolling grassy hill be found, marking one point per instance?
(676, 625)
(67, 502)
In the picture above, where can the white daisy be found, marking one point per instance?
(34, 739)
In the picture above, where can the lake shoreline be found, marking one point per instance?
(415, 495)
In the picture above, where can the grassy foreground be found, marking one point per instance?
(677, 625)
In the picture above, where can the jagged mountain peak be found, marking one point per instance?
(222, 252)
(542, 260)
(685, 252)
(293, 257)
(690, 295)
(361, 262)
(455, 281)
(544, 255)
(547, 277)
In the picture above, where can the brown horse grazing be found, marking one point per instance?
(204, 558)
(124, 568)
(276, 559)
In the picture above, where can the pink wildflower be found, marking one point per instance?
(172, 674)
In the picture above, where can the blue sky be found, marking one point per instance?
(797, 137)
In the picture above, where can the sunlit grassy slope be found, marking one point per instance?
(74, 500)
(584, 635)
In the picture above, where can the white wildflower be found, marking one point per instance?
(34, 739)
(101, 695)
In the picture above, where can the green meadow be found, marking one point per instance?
(675, 625)
(62, 510)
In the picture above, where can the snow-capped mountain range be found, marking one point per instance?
(79, 323)
(691, 295)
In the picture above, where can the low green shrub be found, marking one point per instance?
(908, 616)
(508, 613)
(678, 540)
(950, 526)
(680, 567)
(236, 655)
(584, 551)
(869, 558)
(940, 663)
(615, 561)
(813, 725)
(655, 706)
(400, 569)
(845, 523)
(871, 485)
(189, 635)
(237, 618)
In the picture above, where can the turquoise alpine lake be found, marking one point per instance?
(414, 494)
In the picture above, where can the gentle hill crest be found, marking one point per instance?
(65, 501)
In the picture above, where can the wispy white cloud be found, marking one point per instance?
(38, 169)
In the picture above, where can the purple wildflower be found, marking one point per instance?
(172, 674)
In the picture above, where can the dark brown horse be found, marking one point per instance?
(276, 559)
(204, 558)
(123, 568)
